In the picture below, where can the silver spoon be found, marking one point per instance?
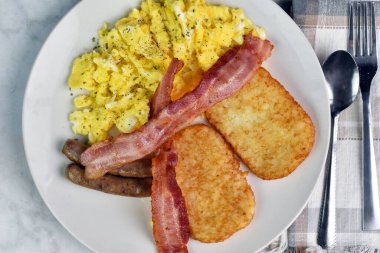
(342, 77)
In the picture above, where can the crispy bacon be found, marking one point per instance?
(223, 80)
(170, 222)
(161, 97)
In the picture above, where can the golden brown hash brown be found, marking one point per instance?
(218, 199)
(268, 129)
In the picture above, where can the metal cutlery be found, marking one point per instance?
(342, 77)
(362, 45)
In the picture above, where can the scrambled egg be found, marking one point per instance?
(121, 74)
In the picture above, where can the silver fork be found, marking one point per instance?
(362, 45)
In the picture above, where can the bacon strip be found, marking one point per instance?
(161, 97)
(223, 80)
(170, 222)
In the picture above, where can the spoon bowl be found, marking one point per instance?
(342, 76)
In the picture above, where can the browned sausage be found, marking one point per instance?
(73, 149)
(133, 187)
(140, 168)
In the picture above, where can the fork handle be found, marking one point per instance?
(371, 205)
(326, 226)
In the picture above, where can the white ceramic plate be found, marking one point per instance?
(107, 223)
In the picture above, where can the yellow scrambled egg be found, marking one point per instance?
(121, 74)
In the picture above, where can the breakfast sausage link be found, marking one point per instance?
(73, 149)
(142, 168)
(132, 187)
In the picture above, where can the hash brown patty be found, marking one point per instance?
(218, 199)
(268, 129)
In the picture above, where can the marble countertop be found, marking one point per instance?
(26, 224)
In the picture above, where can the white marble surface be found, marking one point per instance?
(26, 224)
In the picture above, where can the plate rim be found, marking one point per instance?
(28, 87)
(23, 125)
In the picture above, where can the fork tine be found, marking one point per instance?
(350, 45)
(373, 28)
(358, 42)
(365, 29)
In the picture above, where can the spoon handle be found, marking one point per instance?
(371, 206)
(326, 229)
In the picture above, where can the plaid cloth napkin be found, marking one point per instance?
(324, 23)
